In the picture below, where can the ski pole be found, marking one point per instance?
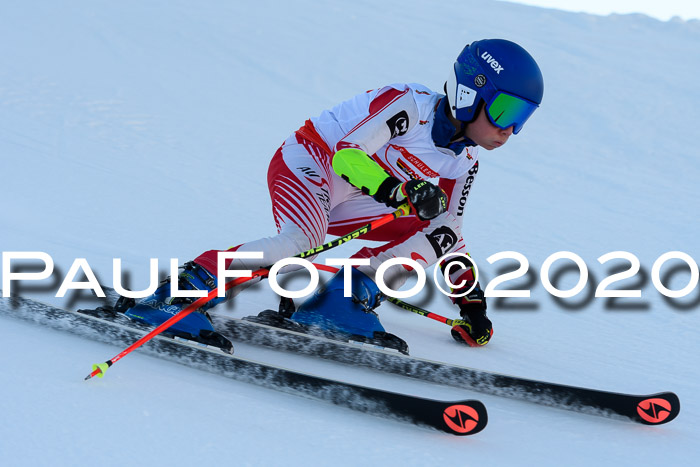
(99, 369)
(426, 313)
(461, 329)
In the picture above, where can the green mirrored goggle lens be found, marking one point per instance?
(506, 110)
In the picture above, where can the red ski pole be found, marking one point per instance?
(99, 369)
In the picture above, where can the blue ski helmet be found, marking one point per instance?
(503, 76)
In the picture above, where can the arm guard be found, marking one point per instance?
(357, 168)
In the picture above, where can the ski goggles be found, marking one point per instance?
(506, 110)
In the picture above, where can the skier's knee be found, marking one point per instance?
(301, 242)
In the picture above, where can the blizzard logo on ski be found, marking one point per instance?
(493, 62)
(467, 188)
(160, 306)
(654, 410)
(461, 418)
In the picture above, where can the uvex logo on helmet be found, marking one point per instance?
(493, 62)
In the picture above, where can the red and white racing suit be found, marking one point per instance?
(393, 125)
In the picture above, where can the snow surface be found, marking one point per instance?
(143, 129)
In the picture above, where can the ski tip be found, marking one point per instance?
(658, 409)
(464, 418)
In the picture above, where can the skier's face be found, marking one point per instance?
(486, 134)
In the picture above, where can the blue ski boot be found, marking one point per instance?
(159, 307)
(352, 318)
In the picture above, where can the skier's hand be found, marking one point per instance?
(475, 329)
(427, 201)
(474, 334)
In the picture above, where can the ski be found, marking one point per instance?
(464, 417)
(652, 409)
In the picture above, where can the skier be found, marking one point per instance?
(361, 160)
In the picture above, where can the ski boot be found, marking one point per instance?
(159, 307)
(328, 313)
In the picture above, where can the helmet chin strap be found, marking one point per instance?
(459, 134)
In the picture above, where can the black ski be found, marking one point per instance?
(460, 418)
(652, 409)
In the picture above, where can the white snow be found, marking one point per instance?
(144, 129)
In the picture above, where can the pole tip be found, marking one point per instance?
(98, 369)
